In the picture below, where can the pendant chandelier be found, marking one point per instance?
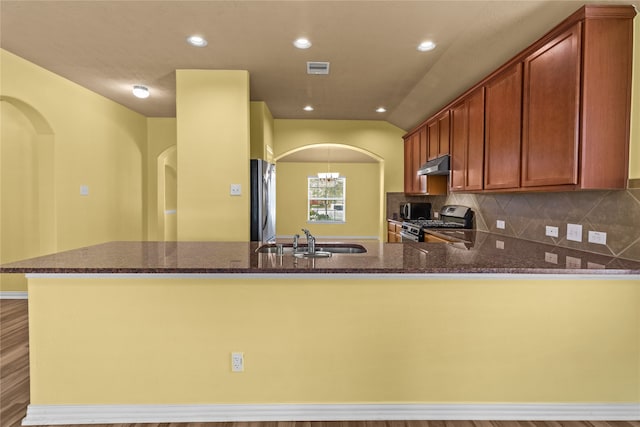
(328, 176)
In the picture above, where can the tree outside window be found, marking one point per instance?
(326, 199)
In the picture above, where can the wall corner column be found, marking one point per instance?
(213, 119)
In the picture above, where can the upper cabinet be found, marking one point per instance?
(502, 129)
(412, 182)
(415, 155)
(555, 117)
(551, 112)
(438, 131)
(577, 102)
(467, 143)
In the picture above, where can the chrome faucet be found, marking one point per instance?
(311, 242)
(296, 237)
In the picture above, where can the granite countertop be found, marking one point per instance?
(488, 253)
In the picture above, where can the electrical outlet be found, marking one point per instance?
(500, 224)
(84, 190)
(499, 244)
(572, 262)
(551, 258)
(237, 362)
(236, 189)
(598, 237)
(551, 231)
(574, 232)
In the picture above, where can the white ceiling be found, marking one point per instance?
(107, 46)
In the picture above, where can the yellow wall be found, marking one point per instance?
(634, 153)
(362, 201)
(333, 341)
(379, 138)
(213, 153)
(261, 131)
(75, 138)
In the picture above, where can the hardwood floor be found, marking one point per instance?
(14, 362)
(14, 390)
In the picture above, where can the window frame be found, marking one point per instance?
(342, 199)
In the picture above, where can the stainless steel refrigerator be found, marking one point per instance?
(263, 201)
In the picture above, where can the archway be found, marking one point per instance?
(27, 182)
(167, 195)
(364, 204)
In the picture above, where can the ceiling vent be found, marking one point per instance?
(317, 68)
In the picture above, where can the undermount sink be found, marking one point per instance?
(316, 254)
(322, 249)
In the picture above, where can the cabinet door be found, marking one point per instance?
(419, 182)
(434, 139)
(551, 112)
(459, 138)
(475, 142)
(443, 134)
(424, 154)
(408, 165)
(503, 104)
(467, 143)
(413, 184)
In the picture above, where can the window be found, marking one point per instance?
(326, 199)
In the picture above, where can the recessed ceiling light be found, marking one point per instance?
(426, 45)
(302, 43)
(196, 41)
(140, 91)
(308, 108)
(381, 110)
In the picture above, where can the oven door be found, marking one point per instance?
(408, 237)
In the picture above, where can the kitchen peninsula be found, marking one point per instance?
(144, 331)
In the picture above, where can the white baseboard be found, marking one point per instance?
(115, 414)
(13, 295)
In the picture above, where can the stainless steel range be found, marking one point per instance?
(451, 217)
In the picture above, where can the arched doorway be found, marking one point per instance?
(27, 187)
(364, 203)
(167, 195)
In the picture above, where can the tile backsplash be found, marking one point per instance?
(526, 215)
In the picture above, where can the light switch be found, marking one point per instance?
(236, 189)
(84, 190)
(500, 224)
(572, 262)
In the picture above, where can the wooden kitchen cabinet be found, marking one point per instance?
(502, 140)
(430, 238)
(444, 122)
(414, 148)
(576, 109)
(415, 155)
(393, 231)
(438, 132)
(551, 112)
(467, 143)
(556, 116)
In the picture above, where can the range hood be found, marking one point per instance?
(438, 166)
